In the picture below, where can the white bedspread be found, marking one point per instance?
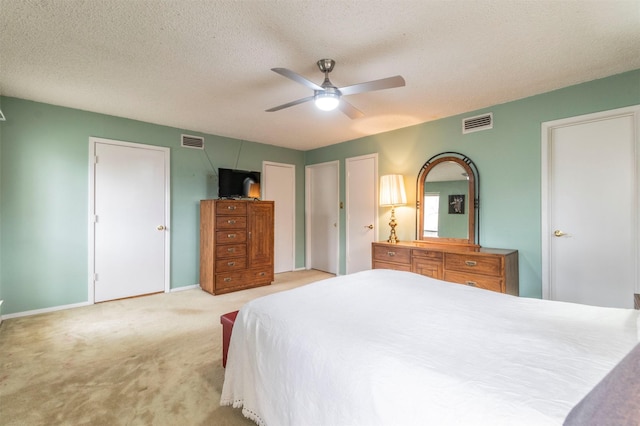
(384, 347)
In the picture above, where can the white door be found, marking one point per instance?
(322, 213)
(279, 185)
(129, 218)
(590, 216)
(361, 210)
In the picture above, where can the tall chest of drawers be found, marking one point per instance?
(236, 244)
(487, 268)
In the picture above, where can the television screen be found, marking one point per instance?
(234, 183)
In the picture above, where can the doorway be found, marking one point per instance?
(322, 212)
(128, 219)
(280, 187)
(361, 210)
(590, 208)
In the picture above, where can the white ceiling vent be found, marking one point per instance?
(477, 123)
(192, 142)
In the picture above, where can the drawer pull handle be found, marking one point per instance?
(226, 280)
(262, 274)
(470, 262)
(231, 222)
(391, 253)
(231, 263)
(231, 235)
(231, 250)
(471, 283)
(231, 207)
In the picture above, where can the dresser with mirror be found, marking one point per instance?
(447, 231)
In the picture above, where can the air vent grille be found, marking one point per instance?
(477, 123)
(192, 142)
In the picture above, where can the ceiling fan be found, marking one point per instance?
(327, 96)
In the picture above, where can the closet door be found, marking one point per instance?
(361, 210)
(590, 216)
(279, 185)
(129, 248)
(322, 207)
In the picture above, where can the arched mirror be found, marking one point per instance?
(447, 200)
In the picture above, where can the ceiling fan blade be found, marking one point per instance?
(351, 111)
(384, 83)
(290, 104)
(296, 77)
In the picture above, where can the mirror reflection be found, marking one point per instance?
(446, 194)
(445, 198)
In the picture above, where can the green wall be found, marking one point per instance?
(44, 183)
(44, 197)
(507, 157)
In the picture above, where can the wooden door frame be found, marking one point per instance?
(307, 202)
(545, 216)
(373, 156)
(92, 214)
(293, 192)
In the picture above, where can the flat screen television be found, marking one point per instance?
(233, 183)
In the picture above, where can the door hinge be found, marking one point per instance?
(95, 277)
(95, 159)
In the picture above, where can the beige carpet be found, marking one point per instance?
(153, 360)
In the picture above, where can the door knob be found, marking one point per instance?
(558, 233)
(160, 228)
(369, 226)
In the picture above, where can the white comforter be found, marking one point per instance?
(384, 347)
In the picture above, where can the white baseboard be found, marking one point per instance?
(187, 287)
(75, 305)
(45, 310)
(304, 268)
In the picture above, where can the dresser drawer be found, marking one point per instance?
(388, 265)
(427, 267)
(473, 264)
(230, 280)
(262, 275)
(231, 264)
(480, 281)
(386, 253)
(231, 207)
(428, 254)
(226, 281)
(231, 222)
(230, 237)
(233, 250)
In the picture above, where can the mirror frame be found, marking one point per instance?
(470, 168)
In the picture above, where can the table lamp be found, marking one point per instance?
(392, 194)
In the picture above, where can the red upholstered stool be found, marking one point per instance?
(227, 321)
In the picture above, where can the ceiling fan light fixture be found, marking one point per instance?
(327, 101)
(327, 97)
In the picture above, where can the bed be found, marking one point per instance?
(384, 347)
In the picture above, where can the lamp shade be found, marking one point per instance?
(254, 190)
(392, 190)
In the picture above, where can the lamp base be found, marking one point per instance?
(392, 223)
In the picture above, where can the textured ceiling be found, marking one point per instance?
(205, 65)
